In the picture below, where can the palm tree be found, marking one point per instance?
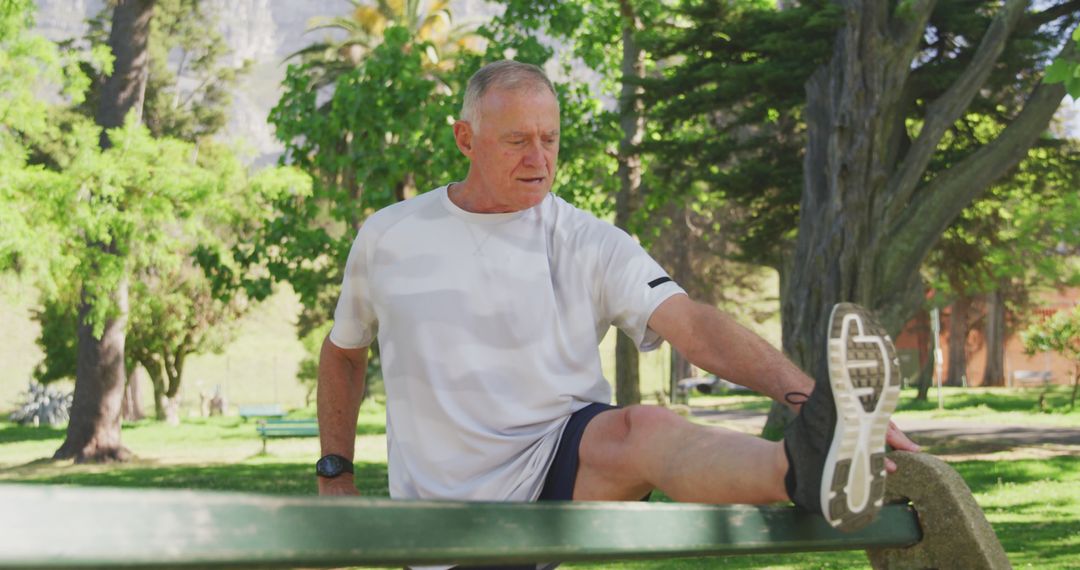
(428, 22)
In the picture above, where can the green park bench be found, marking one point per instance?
(261, 411)
(1031, 378)
(935, 523)
(275, 427)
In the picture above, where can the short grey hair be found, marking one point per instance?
(505, 74)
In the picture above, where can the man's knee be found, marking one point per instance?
(645, 423)
(619, 450)
(613, 437)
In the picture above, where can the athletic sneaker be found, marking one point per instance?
(836, 445)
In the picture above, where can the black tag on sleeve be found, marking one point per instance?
(659, 281)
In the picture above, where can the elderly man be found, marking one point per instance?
(489, 297)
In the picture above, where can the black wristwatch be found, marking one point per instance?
(332, 465)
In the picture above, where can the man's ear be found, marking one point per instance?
(463, 136)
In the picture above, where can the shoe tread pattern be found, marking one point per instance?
(867, 375)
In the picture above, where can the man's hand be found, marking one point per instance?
(340, 485)
(900, 442)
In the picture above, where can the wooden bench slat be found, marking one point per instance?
(261, 411)
(289, 431)
(286, 428)
(66, 527)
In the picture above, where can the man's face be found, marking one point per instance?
(515, 150)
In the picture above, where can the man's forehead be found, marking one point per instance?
(521, 133)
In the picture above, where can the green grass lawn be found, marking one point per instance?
(1034, 504)
(1014, 406)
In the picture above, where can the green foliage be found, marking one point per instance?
(31, 69)
(382, 135)
(733, 90)
(1060, 333)
(145, 192)
(1066, 68)
(1020, 235)
(58, 340)
(308, 374)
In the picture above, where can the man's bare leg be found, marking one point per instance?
(835, 447)
(628, 452)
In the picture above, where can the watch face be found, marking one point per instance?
(330, 466)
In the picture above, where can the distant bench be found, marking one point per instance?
(1024, 378)
(262, 411)
(275, 427)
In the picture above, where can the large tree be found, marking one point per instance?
(93, 432)
(186, 98)
(894, 79)
(869, 213)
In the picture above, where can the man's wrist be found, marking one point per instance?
(332, 466)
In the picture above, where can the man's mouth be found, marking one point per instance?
(533, 180)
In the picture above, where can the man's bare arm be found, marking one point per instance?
(713, 341)
(341, 387)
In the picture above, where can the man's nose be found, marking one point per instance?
(534, 154)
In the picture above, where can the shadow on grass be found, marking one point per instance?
(268, 478)
(14, 433)
(983, 476)
(1042, 543)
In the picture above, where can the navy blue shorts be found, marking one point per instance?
(559, 483)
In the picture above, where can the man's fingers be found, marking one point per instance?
(899, 440)
(890, 467)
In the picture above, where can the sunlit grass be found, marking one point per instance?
(1002, 406)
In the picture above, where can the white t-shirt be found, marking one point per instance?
(488, 326)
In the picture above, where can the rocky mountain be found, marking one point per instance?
(263, 31)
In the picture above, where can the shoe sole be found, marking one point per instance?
(865, 376)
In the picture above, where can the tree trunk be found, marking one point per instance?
(1076, 387)
(994, 374)
(959, 328)
(868, 216)
(925, 334)
(131, 407)
(125, 89)
(93, 433)
(680, 368)
(682, 269)
(632, 121)
(157, 380)
(926, 377)
(627, 383)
